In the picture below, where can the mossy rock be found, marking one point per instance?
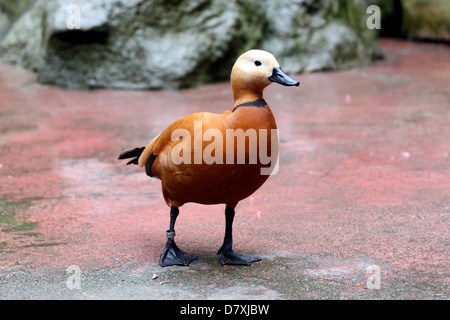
(10, 11)
(428, 19)
(417, 19)
(158, 44)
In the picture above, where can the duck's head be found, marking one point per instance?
(253, 71)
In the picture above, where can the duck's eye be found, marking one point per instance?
(258, 63)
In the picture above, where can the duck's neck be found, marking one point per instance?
(244, 96)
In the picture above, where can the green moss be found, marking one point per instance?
(31, 234)
(9, 217)
(298, 47)
(24, 226)
(429, 18)
(345, 53)
(50, 244)
(352, 13)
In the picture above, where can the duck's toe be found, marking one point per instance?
(234, 258)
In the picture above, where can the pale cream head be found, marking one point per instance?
(253, 71)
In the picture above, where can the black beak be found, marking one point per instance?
(280, 77)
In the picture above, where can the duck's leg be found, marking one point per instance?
(172, 255)
(228, 256)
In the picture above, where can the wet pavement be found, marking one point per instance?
(358, 210)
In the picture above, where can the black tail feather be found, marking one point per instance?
(135, 154)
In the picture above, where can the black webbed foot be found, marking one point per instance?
(173, 256)
(234, 258)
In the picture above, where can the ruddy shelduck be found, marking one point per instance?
(223, 171)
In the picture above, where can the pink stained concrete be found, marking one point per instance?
(364, 174)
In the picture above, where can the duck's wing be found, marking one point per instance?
(164, 139)
(147, 151)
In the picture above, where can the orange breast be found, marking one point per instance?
(225, 156)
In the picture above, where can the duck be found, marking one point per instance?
(217, 158)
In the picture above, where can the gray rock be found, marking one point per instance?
(23, 44)
(154, 44)
(10, 11)
(320, 35)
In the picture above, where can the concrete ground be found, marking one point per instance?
(358, 210)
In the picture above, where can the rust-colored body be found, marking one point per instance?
(214, 183)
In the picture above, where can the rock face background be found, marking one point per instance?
(427, 19)
(415, 19)
(154, 44)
